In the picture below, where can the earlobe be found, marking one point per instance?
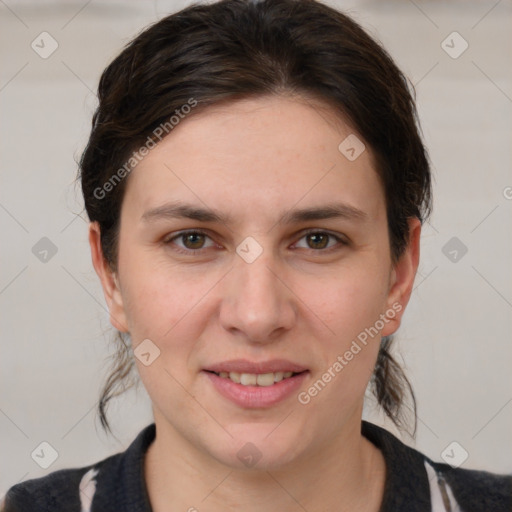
(402, 279)
(109, 280)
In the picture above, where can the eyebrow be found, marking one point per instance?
(179, 210)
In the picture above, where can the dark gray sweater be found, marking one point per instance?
(413, 483)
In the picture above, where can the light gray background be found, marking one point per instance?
(456, 338)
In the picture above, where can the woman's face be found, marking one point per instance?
(292, 263)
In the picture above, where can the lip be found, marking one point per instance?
(246, 366)
(253, 397)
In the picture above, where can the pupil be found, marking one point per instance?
(190, 238)
(316, 236)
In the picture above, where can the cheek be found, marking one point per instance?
(158, 296)
(166, 308)
(351, 306)
(352, 302)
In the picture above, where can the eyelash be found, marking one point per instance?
(181, 234)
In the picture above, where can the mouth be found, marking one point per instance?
(256, 390)
(256, 384)
(256, 379)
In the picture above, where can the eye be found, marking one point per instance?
(319, 240)
(193, 241)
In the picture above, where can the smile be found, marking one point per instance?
(255, 379)
(256, 390)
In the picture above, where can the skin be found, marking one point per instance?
(253, 160)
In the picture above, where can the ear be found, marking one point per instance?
(402, 279)
(109, 280)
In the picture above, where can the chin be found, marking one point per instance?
(258, 447)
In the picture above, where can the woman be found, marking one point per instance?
(256, 186)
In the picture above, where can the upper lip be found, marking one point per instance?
(246, 366)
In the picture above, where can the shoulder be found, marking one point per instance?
(107, 485)
(474, 489)
(414, 482)
(47, 493)
(65, 489)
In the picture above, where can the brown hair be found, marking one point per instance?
(235, 49)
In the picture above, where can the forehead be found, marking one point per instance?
(259, 153)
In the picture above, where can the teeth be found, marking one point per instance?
(253, 379)
(248, 379)
(235, 377)
(265, 379)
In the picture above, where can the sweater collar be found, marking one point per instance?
(406, 486)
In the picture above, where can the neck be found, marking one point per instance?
(345, 474)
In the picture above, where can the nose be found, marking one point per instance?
(258, 303)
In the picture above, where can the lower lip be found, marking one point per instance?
(256, 396)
